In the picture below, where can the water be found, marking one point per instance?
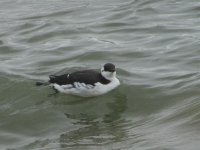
(155, 46)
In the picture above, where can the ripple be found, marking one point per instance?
(155, 46)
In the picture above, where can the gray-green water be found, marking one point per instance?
(155, 45)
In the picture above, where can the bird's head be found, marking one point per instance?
(108, 71)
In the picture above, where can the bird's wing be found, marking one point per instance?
(86, 76)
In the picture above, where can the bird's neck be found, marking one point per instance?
(108, 75)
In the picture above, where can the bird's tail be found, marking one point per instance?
(52, 79)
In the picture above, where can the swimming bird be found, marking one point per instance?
(86, 83)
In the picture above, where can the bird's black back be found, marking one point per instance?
(86, 76)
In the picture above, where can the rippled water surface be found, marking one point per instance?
(155, 46)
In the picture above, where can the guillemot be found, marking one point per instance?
(86, 83)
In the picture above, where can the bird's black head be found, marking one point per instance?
(109, 67)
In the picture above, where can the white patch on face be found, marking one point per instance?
(108, 75)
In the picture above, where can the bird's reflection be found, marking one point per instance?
(96, 130)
